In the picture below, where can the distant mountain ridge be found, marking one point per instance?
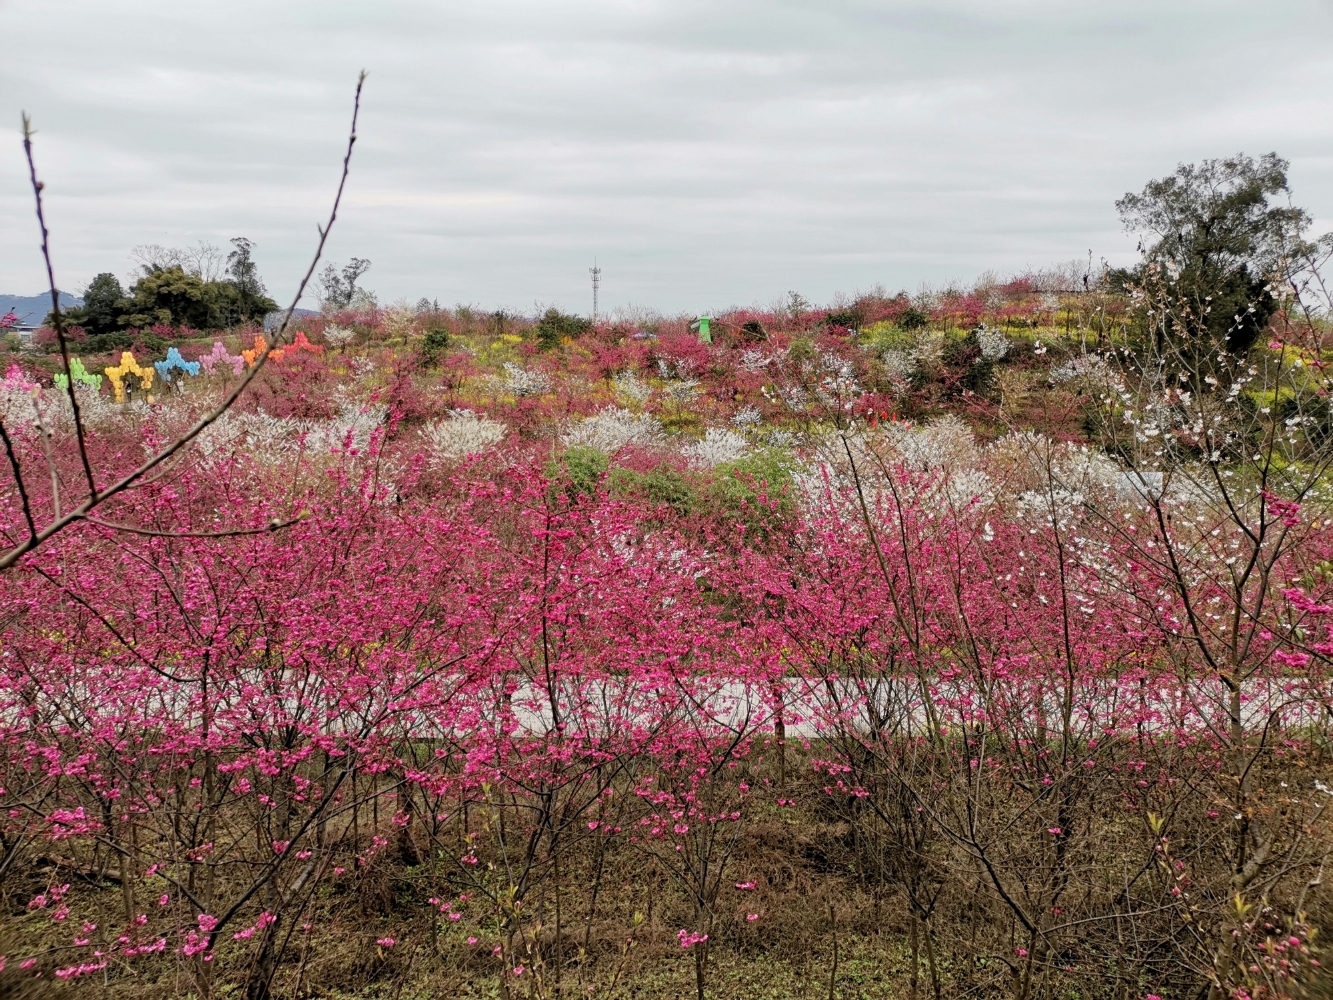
(32, 309)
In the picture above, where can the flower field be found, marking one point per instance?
(903, 648)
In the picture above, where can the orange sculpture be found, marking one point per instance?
(300, 343)
(260, 346)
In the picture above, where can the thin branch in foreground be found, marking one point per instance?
(59, 321)
(273, 525)
(18, 479)
(95, 499)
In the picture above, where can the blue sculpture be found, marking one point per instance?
(174, 360)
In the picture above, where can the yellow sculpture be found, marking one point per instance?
(128, 366)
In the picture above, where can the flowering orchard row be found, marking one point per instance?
(456, 642)
(986, 349)
(218, 719)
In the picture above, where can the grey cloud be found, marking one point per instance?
(706, 153)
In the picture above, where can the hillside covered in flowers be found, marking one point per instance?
(965, 643)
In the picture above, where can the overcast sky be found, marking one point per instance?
(705, 152)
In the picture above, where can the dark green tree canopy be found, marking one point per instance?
(1218, 215)
(554, 326)
(175, 289)
(242, 297)
(170, 297)
(242, 270)
(1213, 235)
(100, 312)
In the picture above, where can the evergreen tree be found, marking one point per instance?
(1214, 235)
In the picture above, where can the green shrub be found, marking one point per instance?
(884, 336)
(578, 471)
(756, 490)
(753, 330)
(802, 349)
(106, 343)
(555, 326)
(848, 319)
(980, 376)
(435, 343)
(912, 319)
(663, 486)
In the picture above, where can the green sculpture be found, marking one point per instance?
(701, 324)
(80, 374)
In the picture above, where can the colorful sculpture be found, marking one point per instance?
(261, 345)
(127, 371)
(80, 374)
(302, 343)
(219, 356)
(174, 360)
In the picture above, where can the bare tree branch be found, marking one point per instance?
(56, 318)
(18, 479)
(273, 525)
(95, 499)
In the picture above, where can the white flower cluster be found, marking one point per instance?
(747, 416)
(95, 410)
(945, 451)
(680, 387)
(793, 396)
(274, 438)
(461, 434)
(351, 429)
(629, 387)
(682, 390)
(753, 360)
(1086, 366)
(259, 433)
(944, 444)
(719, 445)
(521, 382)
(1027, 460)
(679, 368)
(1050, 479)
(611, 429)
(836, 387)
(1037, 478)
(398, 321)
(18, 403)
(338, 337)
(994, 344)
(900, 366)
(968, 485)
(1056, 507)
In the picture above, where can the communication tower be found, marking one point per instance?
(596, 273)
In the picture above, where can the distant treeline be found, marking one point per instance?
(175, 288)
